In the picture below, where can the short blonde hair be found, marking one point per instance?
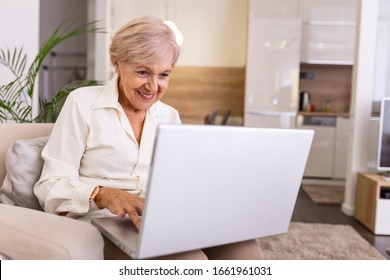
(143, 41)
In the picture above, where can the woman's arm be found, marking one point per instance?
(59, 188)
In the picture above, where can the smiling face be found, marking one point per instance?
(143, 53)
(140, 86)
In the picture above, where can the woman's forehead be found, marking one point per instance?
(158, 66)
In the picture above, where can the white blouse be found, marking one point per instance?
(92, 143)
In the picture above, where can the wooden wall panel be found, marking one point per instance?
(197, 91)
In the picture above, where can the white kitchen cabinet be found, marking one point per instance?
(341, 148)
(329, 150)
(272, 70)
(328, 27)
(274, 8)
(272, 67)
(327, 44)
(328, 10)
(320, 161)
(328, 31)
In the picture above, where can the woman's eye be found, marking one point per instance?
(142, 73)
(164, 75)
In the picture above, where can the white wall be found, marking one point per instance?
(214, 31)
(98, 60)
(362, 95)
(19, 27)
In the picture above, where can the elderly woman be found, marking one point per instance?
(97, 159)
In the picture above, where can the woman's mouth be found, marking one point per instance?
(146, 96)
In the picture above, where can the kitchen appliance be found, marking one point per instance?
(272, 72)
(304, 101)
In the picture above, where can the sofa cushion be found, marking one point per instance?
(27, 234)
(23, 165)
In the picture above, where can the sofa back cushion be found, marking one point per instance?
(10, 133)
(23, 168)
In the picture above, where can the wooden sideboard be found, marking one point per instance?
(372, 204)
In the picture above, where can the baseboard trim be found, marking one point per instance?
(348, 210)
(323, 182)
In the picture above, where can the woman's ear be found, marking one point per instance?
(116, 67)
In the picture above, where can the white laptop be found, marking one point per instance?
(213, 185)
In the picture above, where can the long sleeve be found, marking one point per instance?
(59, 188)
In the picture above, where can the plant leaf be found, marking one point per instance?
(56, 37)
(16, 96)
(14, 61)
(49, 110)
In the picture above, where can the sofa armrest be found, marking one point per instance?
(30, 234)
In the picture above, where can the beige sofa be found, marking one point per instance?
(26, 232)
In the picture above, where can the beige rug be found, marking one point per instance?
(305, 241)
(325, 194)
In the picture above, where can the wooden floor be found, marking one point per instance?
(309, 212)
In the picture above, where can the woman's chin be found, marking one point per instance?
(144, 106)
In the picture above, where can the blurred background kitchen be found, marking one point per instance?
(311, 64)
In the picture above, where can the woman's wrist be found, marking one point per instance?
(94, 193)
(98, 197)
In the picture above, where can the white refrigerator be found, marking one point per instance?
(272, 72)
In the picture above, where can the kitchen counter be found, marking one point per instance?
(324, 114)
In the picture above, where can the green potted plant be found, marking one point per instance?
(16, 97)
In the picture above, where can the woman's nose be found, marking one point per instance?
(152, 84)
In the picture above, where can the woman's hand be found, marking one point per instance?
(120, 203)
